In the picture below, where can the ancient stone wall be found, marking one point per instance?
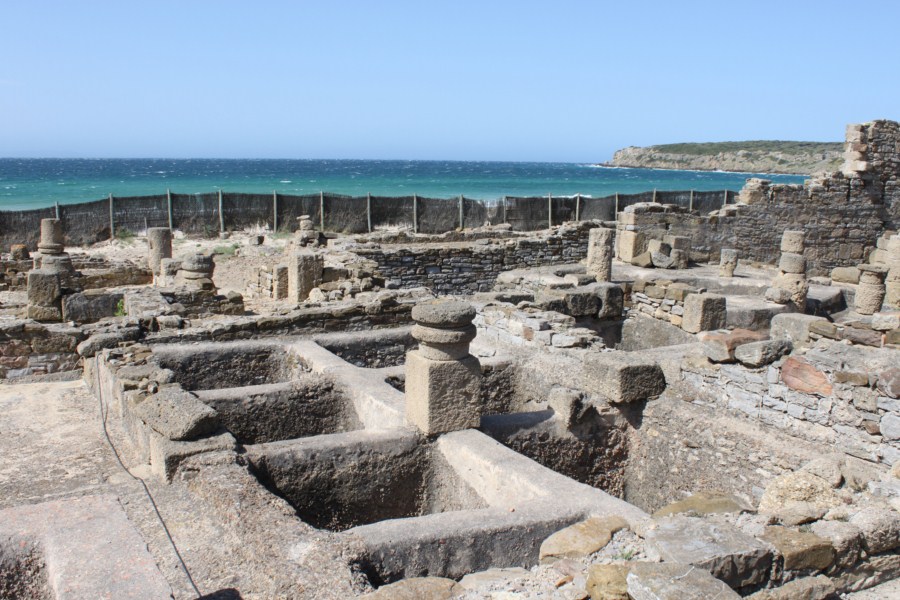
(466, 269)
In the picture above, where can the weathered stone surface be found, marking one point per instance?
(493, 578)
(442, 396)
(90, 306)
(643, 260)
(611, 297)
(443, 313)
(845, 275)
(623, 379)
(819, 587)
(177, 415)
(846, 539)
(702, 503)
(704, 312)
(44, 288)
(608, 582)
(799, 375)
(720, 345)
(880, 529)
(796, 285)
(826, 468)
(885, 321)
(792, 241)
(661, 261)
(52, 237)
(600, 253)
(889, 382)
(159, 240)
(758, 354)
(723, 550)
(304, 274)
(792, 263)
(778, 295)
(800, 550)
(799, 486)
(581, 539)
(667, 581)
(630, 244)
(19, 252)
(825, 329)
(728, 261)
(858, 335)
(868, 573)
(419, 588)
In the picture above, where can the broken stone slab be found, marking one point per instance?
(704, 312)
(826, 468)
(581, 539)
(669, 581)
(623, 378)
(819, 587)
(799, 375)
(178, 415)
(726, 552)
(720, 345)
(702, 503)
(794, 327)
(799, 549)
(419, 588)
(880, 529)
(658, 247)
(608, 582)
(102, 341)
(759, 354)
(661, 261)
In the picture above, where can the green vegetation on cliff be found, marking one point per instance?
(760, 156)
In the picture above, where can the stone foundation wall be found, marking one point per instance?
(467, 269)
(28, 348)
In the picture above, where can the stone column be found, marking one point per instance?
(600, 253)
(443, 380)
(728, 260)
(304, 273)
(704, 312)
(790, 285)
(892, 285)
(52, 240)
(196, 270)
(871, 290)
(160, 241)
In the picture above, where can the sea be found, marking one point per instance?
(27, 183)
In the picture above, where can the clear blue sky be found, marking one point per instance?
(554, 81)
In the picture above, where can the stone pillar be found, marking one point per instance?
(306, 234)
(871, 290)
(160, 241)
(196, 270)
(304, 273)
(52, 240)
(280, 284)
(443, 380)
(790, 285)
(704, 312)
(44, 295)
(600, 253)
(728, 260)
(892, 284)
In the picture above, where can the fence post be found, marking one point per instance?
(112, 224)
(504, 209)
(654, 194)
(549, 211)
(274, 211)
(369, 210)
(169, 205)
(462, 219)
(415, 214)
(691, 202)
(617, 205)
(221, 216)
(322, 211)
(56, 204)
(725, 198)
(577, 207)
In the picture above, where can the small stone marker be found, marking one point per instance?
(600, 253)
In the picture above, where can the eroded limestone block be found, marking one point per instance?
(728, 260)
(880, 529)
(177, 415)
(800, 549)
(796, 285)
(792, 241)
(622, 379)
(845, 275)
(668, 581)
(600, 253)
(159, 240)
(720, 346)
(792, 263)
(630, 244)
(704, 312)
(759, 354)
(304, 273)
(442, 396)
(608, 582)
(794, 326)
(44, 288)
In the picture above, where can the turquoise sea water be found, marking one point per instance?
(34, 183)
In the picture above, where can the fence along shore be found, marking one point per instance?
(216, 212)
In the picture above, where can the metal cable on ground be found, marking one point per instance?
(104, 412)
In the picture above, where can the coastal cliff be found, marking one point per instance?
(752, 157)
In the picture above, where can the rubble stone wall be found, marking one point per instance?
(28, 348)
(467, 269)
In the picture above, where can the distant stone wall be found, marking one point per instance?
(467, 268)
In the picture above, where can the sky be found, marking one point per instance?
(564, 81)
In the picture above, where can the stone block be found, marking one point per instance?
(43, 313)
(19, 252)
(177, 415)
(679, 258)
(280, 282)
(728, 260)
(661, 261)
(778, 295)
(880, 529)
(845, 538)
(720, 345)
(885, 321)
(800, 550)
(166, 454)
(678, 242)
(419, 588)
(44, 288)
(658, 246)
(611, 297)
(608, 582)
(792, 263)
(623, 378)
(630, 244)
(581, 539)
(845, 275)
(643, 260)
(704, 312)
(91, 306)
(304, 273)
(759, 354)
(801, 376)
(727, 553)
(792, 241)
(442, 396)
(819, 587)
(668, 581)
(869, 298)
(600, 253)
(794, 326)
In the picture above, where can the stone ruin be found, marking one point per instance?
(598, 410)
